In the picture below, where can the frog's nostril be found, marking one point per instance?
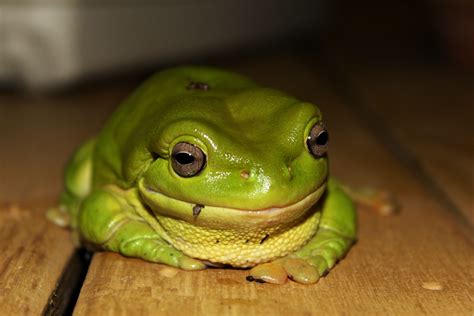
(245, 174)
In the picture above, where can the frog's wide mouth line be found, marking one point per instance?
(165, 205)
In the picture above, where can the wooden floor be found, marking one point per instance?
(403, 127)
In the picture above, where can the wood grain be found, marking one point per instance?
(37, 136)
(34, 253)
(388, 271)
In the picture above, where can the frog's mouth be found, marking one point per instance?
(225, 217)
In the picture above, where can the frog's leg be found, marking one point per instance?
(108, 221)
(336, 233)
(77, 185)
(379, 201)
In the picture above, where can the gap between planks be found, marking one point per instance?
(34, 254)
(64, 296)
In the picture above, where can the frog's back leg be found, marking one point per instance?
(77, 185)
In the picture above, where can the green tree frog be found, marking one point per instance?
(203, 167)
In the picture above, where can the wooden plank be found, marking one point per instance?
(384, 273)
(37, 136)
(34, 254)
(429, 110)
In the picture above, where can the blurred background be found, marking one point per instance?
(52, 44)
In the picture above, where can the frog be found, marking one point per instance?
(202, 167)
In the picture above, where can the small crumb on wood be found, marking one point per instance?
(432, 286)
(13, 212)
(168, 272)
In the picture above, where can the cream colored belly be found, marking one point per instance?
(239, 248)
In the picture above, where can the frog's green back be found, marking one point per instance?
(149, 108)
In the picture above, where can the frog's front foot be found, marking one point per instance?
(278, 271)
(307, 265)
(300, 270)
(159, 251)
(379, 201)
(59, 216)
(188, 263)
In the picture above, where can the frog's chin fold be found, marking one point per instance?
(224, 217)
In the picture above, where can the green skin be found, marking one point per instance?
(241, 127)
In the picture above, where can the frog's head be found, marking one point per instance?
(220, 160)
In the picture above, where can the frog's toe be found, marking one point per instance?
(381, 202)
(278, 271)
(271, 272)
(320, 264)
(59, 216)
(188, 263)
(167, 254)
(329, 255)
(158, 251)
(301, 271)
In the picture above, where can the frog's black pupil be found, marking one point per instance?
(184, 158)
(322, 138)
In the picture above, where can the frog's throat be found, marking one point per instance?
(223, 217)
(231, 236)
(241, 248)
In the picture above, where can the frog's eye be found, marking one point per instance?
(317, 140)
(187, 159)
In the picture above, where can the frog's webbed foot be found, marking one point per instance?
(307, 265)
(278, 271)
(382, 202)
(59, 216)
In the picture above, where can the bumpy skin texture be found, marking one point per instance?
(261, 200)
